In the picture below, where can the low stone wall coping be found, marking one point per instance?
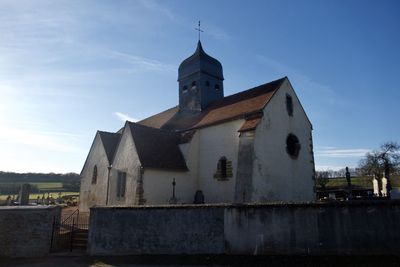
(260, 205)
(19, 208)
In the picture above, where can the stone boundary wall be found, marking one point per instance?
(360, 228)
(135, 231)
(25, 231)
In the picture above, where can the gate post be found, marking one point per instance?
(52, 233)
(72, 233)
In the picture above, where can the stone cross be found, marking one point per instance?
(173, 199)
(348, 178)
(24, 194)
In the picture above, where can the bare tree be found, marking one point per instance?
(322, 179)
(385, 161)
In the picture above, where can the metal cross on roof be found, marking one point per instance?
(199, 30)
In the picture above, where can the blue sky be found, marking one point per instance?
(69, 68)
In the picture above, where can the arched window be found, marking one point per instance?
(194, 85)
(292, 146)
(94, 176)
(224, 169)
(289, 105)
(207, 83)
(216, 87)
(184, 89)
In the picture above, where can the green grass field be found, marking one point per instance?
(51, 185)
(364, 182)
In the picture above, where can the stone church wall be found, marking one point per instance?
(360, 228)
(277, 176)
(126, 160)
(218, 141)
(94, 194)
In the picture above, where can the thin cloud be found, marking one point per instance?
(150, 64)
(124, 117)
(216, 32)
(48, 141)
(332, 152)
(157, 7)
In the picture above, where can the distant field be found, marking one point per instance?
(48, 185)
(40, 185)
(360, 181)
(52, 188)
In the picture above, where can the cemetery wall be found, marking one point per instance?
(156, 230)
(25, 231)
(363, 228)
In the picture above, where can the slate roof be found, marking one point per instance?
(246, 105)
(157, 148)
(110, 142)
(200, 61)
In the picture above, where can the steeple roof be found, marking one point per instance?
(200, 61)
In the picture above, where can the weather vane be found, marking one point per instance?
(199, 30)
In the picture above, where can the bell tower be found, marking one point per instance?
(200, 81)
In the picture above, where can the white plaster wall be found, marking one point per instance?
(157, 186)
(276, 176)
(126, 160)
(190, 152)
(215, 142)
(94, 194)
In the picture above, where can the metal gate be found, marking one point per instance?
(70, 233)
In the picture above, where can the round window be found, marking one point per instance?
(292, 146)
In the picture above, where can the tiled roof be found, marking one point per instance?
(110, 142)
(241, 105)
(250, 124)
(157, 148)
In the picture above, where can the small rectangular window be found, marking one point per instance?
(289, 105)
(121, 184)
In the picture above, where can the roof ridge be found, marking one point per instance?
(151, 128)
(257, 87)
(110, 142)
(245, 92)
(107, 132)
(169, 109)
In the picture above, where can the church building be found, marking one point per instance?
(251, 147)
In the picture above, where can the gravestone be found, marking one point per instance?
(199, 197)
(24, 194)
